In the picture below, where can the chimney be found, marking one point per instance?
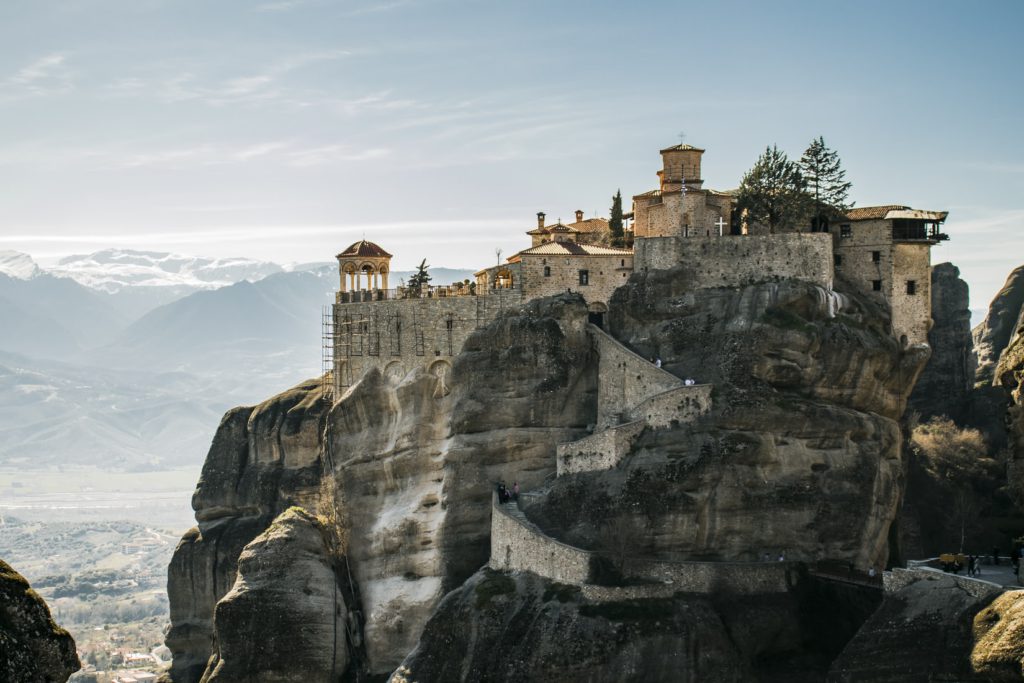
(579, 216)
(540, 219)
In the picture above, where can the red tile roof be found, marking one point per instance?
(364, 248)
(867, 213)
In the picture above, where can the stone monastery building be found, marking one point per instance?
(881, 252)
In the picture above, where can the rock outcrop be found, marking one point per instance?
(803, 430)
(945, 385)
(284, 620)
(989, 400)
(407, 473)
(33, 649)
(1010, 376)
(937, 628)
(799, 454)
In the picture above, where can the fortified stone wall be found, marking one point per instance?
(911, 313)
(398, 335)
(741, 260)
(518, 545)
(601, 451)
(627, 380)
(681, 405)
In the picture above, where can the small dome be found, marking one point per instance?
(364, 248)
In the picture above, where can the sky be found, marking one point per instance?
(287, 129)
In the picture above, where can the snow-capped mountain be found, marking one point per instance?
(112, 270)
(18, 265)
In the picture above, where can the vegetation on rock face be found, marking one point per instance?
(953, 474)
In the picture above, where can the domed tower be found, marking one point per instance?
(364, 259)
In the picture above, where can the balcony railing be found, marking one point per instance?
(429, 292)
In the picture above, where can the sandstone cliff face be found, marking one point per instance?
(520, 627)
(33, 649)
(407, 474)
(945, 385)
(989, 400)
(938, 628)
(1010, 376)
(801, 453)
(284, 620)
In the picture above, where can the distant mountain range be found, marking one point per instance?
(127, 359)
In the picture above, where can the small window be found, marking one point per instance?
(876, 285)
(876, 256)
(584, 277)
(837, 259)
(449, 324)
(547, 271)
(623, 263)
(845, 230)
(911, 287)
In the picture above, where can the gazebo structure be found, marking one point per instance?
(364, 259)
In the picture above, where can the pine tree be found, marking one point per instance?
(419, 279)
(826, 183)
(615, 231)
(773, 193)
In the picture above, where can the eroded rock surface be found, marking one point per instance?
(945, 385)
(800, 454)
(284, 620)
(33, 649)
(922, 632)
(520, 627)
(999, 638)
(407, 475)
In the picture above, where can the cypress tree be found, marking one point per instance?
(615, 230)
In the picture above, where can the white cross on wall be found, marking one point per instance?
(720, 224)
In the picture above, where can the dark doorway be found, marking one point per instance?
(596, 319)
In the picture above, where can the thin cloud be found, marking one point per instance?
(47, 75)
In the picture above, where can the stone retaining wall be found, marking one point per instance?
(626, 380)
(740, 260)
(676, 406)
(601, 451)
(519, 545)
(898, 578)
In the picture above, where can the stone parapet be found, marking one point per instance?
(626, 380)
(897, 579)
(519, 545)
(601, 451)
(680, 405)
(741, 260)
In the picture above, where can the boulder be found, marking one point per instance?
(33, 649)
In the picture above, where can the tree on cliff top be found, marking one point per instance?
(773, 193)
(419, 279)
(615, 230)
(826, 183)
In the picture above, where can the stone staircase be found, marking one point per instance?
(633, 395)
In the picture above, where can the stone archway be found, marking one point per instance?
(596, 312)
(394, 372)
(442, 370)
(503, 279)
(364, 259)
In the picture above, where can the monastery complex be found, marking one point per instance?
(881, 252)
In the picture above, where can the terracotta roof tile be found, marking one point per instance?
(363, 248)
(867, 213)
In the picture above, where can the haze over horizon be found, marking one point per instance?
(286, 130)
